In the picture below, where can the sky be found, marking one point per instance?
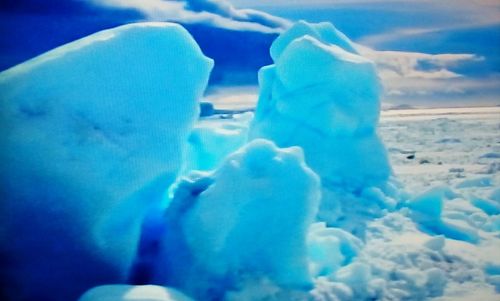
(429, 52)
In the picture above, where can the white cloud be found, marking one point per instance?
(218, 13)
(396, 64)
(422, 75)
(406, 76)
(427, 16)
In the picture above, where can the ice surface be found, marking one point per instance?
(324, 97)
(248, 220)
(122, 292)
(93, 133)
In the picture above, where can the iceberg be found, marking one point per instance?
(93, 133)
(322, 96)
(248, 220)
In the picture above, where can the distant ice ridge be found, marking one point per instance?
(93, 132)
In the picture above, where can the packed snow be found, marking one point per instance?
(300, 200)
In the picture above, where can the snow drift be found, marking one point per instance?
(93, 133)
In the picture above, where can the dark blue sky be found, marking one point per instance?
(463, 36)
(427, 51)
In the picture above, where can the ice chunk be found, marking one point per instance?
(476, 182)
(122, 292)
(324, 97)
(428, 212)
(357, 276)
(248, 219)
(430, 203)
(93, 133)
(436, 243)
(488, 206)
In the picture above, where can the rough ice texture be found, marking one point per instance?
(324, 97)
(92, 134)
(122, 292)
(246, 221)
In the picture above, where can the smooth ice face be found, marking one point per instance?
(324, 97)
(93, 133)
(122, 292)
(247, 220)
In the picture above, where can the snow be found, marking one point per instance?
(122, 292)
(247, 220)
(93, 133)
(297, 201)
(330, 248)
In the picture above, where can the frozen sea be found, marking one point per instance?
(442, 146)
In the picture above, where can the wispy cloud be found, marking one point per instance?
(415, 65)
(426, 16)
(218, 13)
(422, 78)
(408, 77)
